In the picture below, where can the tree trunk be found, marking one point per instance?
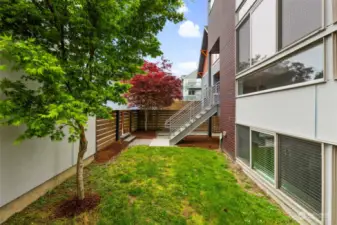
(80, 164)
(146, 112)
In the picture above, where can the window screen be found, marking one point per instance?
(263, 154)
(243, 47)
(243, 143)
(306, 65)
(300, 171)
(298, 19)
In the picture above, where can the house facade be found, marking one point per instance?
(278, 98)
(191, 87)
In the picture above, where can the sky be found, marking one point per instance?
(181, 42)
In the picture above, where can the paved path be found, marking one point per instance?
(140, 142)
(158, 142)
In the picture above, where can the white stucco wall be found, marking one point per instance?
(26, 166)
(308, 112)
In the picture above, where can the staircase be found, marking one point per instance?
(193, 114)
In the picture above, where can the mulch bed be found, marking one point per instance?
(200, 141)
(145, 134)
(111, 151)
(72, 207)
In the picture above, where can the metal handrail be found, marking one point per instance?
(209, 98)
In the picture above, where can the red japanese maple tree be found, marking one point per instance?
(155, 89)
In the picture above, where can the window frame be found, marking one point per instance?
(279, 51)
(276, 169)
(334, 49)
(246, 18)
(291, 86)
(334, 11)
(276, 183)
(236, 143)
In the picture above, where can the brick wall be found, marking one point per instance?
(222, 26)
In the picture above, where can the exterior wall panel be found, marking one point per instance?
(291, 111)
(28, 165)
(222, 25)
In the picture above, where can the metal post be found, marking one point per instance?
(210, 127)
(117, 125)
(130, 115)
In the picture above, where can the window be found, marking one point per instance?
(300, 172)
(304, 66)
(263, 31)
(210, 2)
(243, 36)
(298, 19)
(243, 143)
(263, 154)
(238, 3)
(245, 8)
(214, 58)
(191, 92)
(334, 36)
(334, 8)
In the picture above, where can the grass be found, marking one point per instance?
(169, 185)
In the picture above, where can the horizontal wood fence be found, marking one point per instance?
(106, 129)
(129, 121)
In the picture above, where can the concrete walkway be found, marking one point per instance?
(137, 142)
(159, 142)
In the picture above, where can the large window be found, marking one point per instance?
(304, 66)
(243, 143)
(300, 172)
(243, 37)
(263, 154)
(263, 31)
(298, 19)
(267, 26)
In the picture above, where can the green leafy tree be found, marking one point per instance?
(70, 55)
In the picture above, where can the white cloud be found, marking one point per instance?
(189, 29)
(183, 9)
(184, 68)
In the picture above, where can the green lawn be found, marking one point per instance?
(168, 185)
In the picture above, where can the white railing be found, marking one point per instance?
(209, 98)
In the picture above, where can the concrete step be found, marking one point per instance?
(130, 138)
(124, 136)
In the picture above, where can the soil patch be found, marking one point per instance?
(200, 141)
(145, 134)
(74, 206)
(110, 151)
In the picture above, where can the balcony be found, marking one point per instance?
(192, 97)
(193, 84)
